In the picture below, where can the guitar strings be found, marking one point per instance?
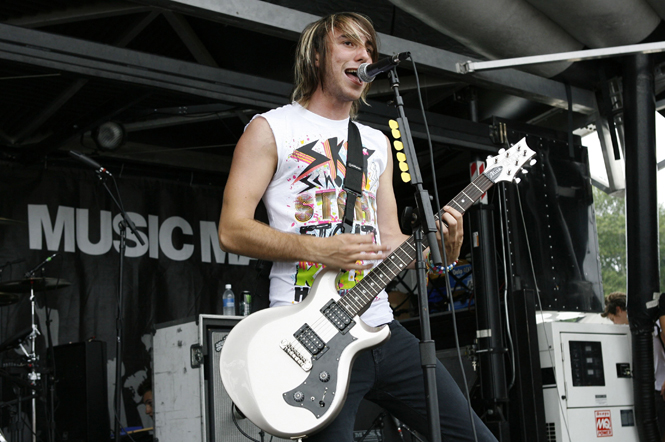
(326, 330)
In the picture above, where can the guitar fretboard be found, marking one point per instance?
(366, 290)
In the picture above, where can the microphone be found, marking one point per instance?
(33, 271)
(367, 72)
(88, 161)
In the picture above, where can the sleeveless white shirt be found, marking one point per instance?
(305, 196)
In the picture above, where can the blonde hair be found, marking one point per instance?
(314, 41)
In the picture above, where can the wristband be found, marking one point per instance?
(438, 270)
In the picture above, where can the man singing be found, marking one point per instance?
(294, 159)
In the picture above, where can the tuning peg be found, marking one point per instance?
(502, 151)
(525, 171)
(534, 161)
(517, 180)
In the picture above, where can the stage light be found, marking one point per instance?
(109, 136)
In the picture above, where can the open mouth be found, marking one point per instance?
(353, 75)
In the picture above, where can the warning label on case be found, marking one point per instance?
(603, 423)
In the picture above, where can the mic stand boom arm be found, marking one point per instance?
(426, 217)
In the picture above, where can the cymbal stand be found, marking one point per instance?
(33, 376)
(32, 357)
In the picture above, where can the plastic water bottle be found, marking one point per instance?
(229, 301)
(246, 303)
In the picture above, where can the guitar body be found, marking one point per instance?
(268, 384)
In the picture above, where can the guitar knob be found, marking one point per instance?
(324, 376)
(298, 396)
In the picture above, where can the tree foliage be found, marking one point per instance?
(611, 226)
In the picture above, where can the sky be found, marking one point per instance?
(597, 164)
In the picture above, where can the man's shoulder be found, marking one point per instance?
(367, 131)
(278, 117)
(280, 111)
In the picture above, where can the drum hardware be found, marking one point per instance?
(10, 292)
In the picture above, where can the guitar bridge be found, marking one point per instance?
(290, 350)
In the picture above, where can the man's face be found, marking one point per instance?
(620, 317)
(344, 56)
(147, 401)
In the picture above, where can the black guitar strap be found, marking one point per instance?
(353, 181)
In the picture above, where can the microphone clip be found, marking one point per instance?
(103, 174)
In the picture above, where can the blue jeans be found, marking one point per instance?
(391, 376)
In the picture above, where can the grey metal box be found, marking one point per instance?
(190, 401)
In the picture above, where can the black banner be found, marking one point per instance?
(178, 273)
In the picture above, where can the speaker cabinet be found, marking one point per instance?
(81, 409)
(221, 425)
(190, 401)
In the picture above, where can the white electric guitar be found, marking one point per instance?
(287, 368)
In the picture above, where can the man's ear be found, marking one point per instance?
(316, 59)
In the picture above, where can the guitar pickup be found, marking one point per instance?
(338, 317)
(311, 341)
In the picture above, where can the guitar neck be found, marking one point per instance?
(371, 285)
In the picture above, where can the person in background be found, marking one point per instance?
(145, 391)
(615, 311)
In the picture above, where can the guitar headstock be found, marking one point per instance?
(505, 165)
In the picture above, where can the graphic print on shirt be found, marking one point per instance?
(320, 203)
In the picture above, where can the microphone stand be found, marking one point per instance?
(426, 217)
(126, 223)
